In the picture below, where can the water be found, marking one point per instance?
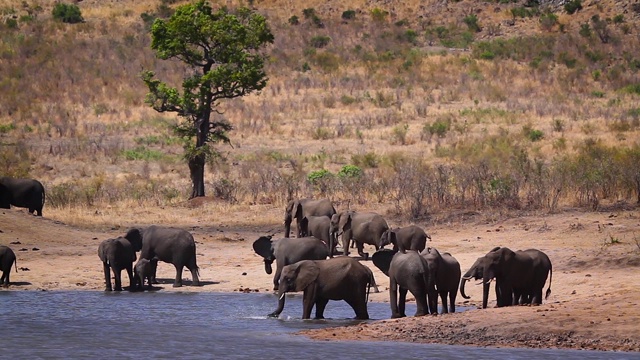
(97, 325)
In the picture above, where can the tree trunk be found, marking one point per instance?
(196, 168)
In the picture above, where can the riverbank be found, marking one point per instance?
(594, 302)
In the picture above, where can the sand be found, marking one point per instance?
(594, 302)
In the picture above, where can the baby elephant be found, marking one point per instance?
(144, 269)
(7, 259)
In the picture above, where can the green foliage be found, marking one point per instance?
(585, 30)
(15, 161)
(322, 133)
(309, 13)
(5, 128)
(350, 172)
(293, 20)
(439, 128)
(548, 21)
(11, 23)
(472, 22)
(572, 6)
(349, 14)
(347, 100)
(632, 89)
(618, 19)
(379, 15)
(524, 12)
(532, 134)
(315, 177)
(142, 153)
(410, 36)
(399, 134)
(67, 13)
(319, 41)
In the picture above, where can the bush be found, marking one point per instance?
(548, 21)
(572, 6)
(348, 14)
(294, 20)
(438, 128)
(368, 160)
(379, 15)
(472, 22)
(350, 171)
(319, 41)
(67, 13)
(532, 134)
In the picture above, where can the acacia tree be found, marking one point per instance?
(222, 50)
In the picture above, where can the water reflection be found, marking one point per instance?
(204, 326)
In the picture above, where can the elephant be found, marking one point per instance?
(319, 227)
(287, 251)
(411, 237)
(26, 193)
(174, 246)
(447, 277)
(118, 254)
(299, 208)
(144, 269)
(407, 271)
(520, 276)
(339, 278)
(363, 228)
(7, 259)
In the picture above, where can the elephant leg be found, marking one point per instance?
(154, 268)
(308, 300)
(422, 304)
(117, 274)
(321, 304)
(107, 276)
(132, 279)
(276, 276)
(360, 247)
(402, 301)
(452, 300)
(193, 268)
(393, 298)
(359, 306)
(443, 297)
(345, 244)
(5, 279)
(178, 280)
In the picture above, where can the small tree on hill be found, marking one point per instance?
(222, 48)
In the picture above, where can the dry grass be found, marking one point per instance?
(76, 102)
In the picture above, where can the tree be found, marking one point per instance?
(222, 50)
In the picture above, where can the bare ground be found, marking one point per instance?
(593, 305)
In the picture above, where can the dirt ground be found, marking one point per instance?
(594, 302)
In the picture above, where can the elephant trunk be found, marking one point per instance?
(267, 266)
(287, 227)
(281, 298)
(332, 243)
(462, 282)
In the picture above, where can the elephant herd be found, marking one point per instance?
(307, 264)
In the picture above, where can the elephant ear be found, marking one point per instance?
(382, 260)
(134, 236)
(264, 247)
(307, 272)
(297, 210)
(345, 221)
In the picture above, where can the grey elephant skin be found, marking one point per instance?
(410, 237)
(363, 228)
(319, 227)
(340, 278)
(118, 254)
(170, 245)
(520, 276)
(144, 270)
(7, 259)
(287, 251)
(407, 271)
(26, 193)
(445, 269)
(300, 208)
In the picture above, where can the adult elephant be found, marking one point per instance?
(363, 228)
(447, 277)
(26, 193)
(410, 237)
(287, 251)
(7, 259)
(319, 227)
(407, 271)
(299, 208)
(118, 254)
(174, 246)
(340, 278)
(517, 275)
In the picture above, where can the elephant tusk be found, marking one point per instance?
(482, 282)
(282, 296)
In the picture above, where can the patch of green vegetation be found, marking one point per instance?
(350, 172)
(142, 153)
(5, 128)
(67, 13)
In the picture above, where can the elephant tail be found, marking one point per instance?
(546, 296)
(15, 262)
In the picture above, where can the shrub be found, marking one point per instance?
(294, 20)
(548, 21)
(572, 6)
(618, 19)
(523, 12)
(5, 128)
(350, 171)
(319, 41)
(379, 15)
(532, 134)
(322, 133)
(11, 23)
(399, 134)
(348, 14)
(368, 160)
(472, 22)
(67, 13)
(632, 89)
(438, 128)
(309, 13)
